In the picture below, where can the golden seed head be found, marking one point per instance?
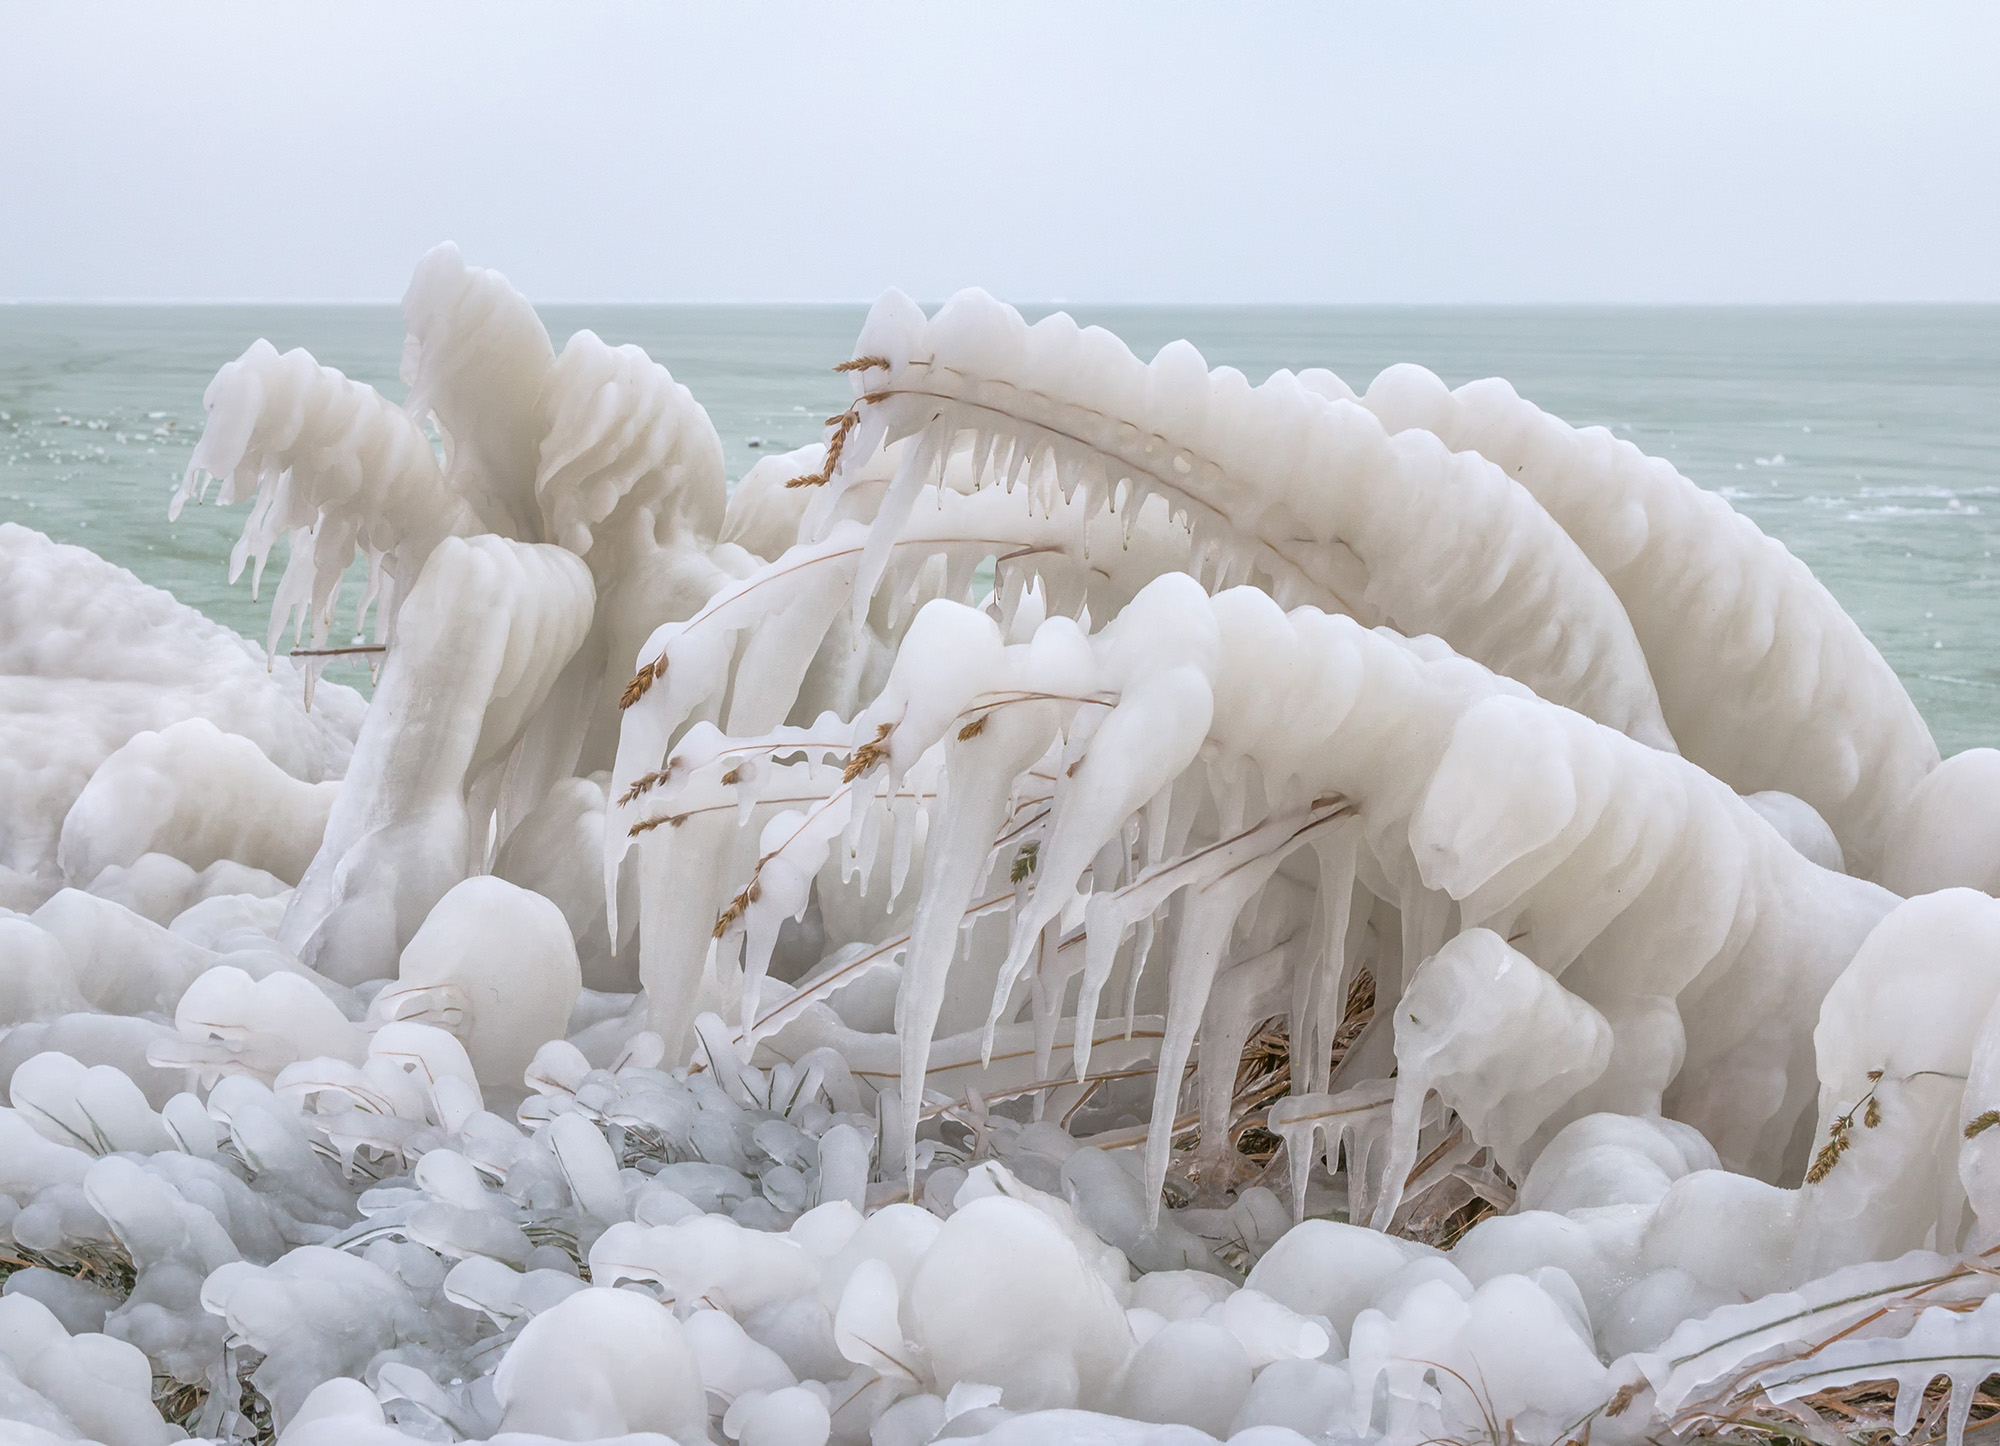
(867, 755)
(1828, 1156)
(641, 681)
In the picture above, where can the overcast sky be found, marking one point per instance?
(1397, 152)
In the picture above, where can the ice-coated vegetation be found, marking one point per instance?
(1102, 903)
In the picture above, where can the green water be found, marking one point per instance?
(1866, 439)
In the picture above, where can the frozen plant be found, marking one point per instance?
(1100, 901)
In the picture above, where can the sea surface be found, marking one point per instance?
(1866, 439)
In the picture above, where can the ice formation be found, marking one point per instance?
(1100, 902)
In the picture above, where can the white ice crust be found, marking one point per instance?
(1099, 903)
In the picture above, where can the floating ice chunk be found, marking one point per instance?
(602, 1363)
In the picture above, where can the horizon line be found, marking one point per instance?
(1649, 305)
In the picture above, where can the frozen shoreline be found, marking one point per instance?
(741, 978)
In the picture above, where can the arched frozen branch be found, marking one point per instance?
(1764, 680)
(1274, 481)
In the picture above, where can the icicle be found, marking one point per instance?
(1324, 1004)
(919, 466)
(1336, 1120)
(1207, 917)
(983, 768)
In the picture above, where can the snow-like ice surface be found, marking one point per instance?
(89, 658)
(1101, 903)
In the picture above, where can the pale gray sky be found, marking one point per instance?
(1406, 151)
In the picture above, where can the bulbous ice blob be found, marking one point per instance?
(83, 1385)
(1800, 825)
(1948, 834)
(1607, 1159)
(1332, 1269)
(1511, 1352)
(790, 1416)
(160, 887)
(1895, 1042)
(1189, 1372)
(122, 963)
(1002, 1298)
(229, 1023)
(494, 965)
(97, 1109)
(37, 980)
(602, 1363)
(315, 1314)
(708, 1258)
(199, 795)
(1309, 1397)
(1500, 1041)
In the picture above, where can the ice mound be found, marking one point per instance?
(1099, 903)
(90, 657)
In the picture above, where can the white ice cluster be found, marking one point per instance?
(1101, 903)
